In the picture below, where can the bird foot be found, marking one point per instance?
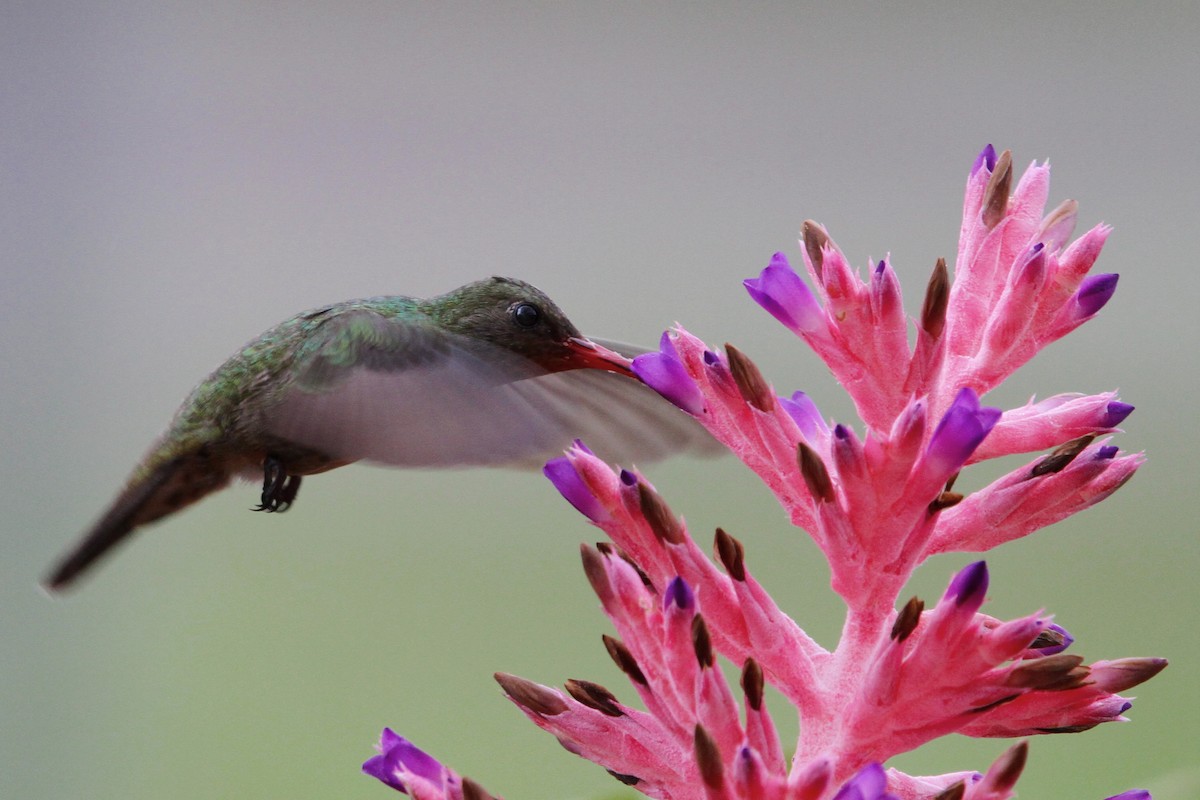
(279, 489)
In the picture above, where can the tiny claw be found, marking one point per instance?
(279, 489)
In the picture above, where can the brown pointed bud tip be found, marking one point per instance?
(1008, 767)
(624, 660)
(951, 481)
(945, 500)
(908, 618)
(752, 683)
(605, 548)
(814, 240)
(473, 791)
(702, 642)
(750, 381)
(628, 780)
(954, 791)
(1063, 455)
(1126, 673)
(531, 696)
(995, 196)
(732, 555)
(937, 298)
(1052, 673)
(658, 516)
(594, 696)
(1047, 639)
(816, 477)
(597, 575)
(708, 758)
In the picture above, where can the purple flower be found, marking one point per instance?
(986, 159)
(780, 291)
(806, 415)
(561, 472)
(1115, 413)
(961, 430)
(664, 373)
(969, 586)
(401, 764)
(869, 784)
(1095, 292)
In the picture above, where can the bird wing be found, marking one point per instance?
(393, 391)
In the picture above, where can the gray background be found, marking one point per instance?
(179, 176)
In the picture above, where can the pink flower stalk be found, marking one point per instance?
(877, 503)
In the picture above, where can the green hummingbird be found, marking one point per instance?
(490, 374)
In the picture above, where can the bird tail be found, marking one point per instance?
(150, 495)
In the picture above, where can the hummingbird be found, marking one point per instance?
(489, 374)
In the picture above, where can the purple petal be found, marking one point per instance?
(381, 769)
(969, 586)
(1107, 452)
(664, 373)
(1095, 292)
(869, 784)
(418, 762)
(783, 294)
(1115, 413)
(805, 414)
(961, 430)
(1131, 794)
(399, 754)
(986, 157)
(628, 478)
(562, 474)
(680, 594)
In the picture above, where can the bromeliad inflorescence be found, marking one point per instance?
(877, 504)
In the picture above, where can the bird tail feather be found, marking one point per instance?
(167, 488)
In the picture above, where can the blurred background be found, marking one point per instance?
(180, 176)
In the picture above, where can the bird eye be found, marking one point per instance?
(526, 314)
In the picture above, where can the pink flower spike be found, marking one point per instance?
(878, 496)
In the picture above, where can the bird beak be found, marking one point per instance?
(586, 354)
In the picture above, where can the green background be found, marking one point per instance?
(179, 176)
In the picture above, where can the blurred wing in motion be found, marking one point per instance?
(409, 394)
